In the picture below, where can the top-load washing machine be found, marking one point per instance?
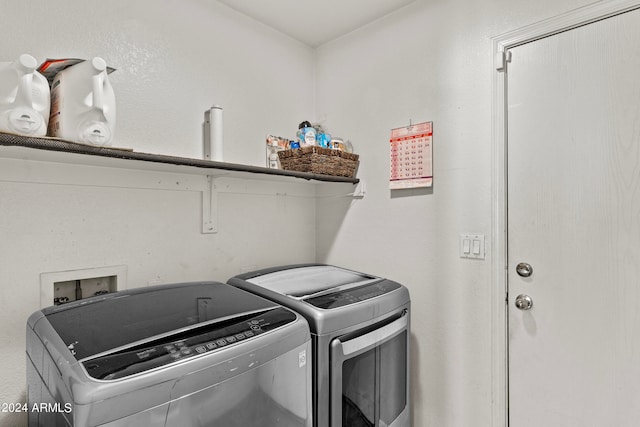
(360, 332)
(192, 354)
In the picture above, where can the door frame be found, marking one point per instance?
(499, 305)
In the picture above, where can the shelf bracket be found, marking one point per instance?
(210, 207)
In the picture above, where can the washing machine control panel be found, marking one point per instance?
(188, 344)
(353, 295)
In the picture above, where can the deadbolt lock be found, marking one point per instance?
(524, 269)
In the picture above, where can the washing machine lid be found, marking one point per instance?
(324, 286)
(103, 324)
(307, 281)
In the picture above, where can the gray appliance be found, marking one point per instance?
(191, 354)
(360, 330)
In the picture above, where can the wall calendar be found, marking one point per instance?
(411, 156)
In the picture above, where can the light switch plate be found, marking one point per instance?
(472, 246)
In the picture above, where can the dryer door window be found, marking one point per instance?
(369, 382)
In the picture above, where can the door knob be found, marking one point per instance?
(524, 302)
(524, 269)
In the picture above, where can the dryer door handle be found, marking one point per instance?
(372, 339)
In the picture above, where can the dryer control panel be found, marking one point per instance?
(185, 345)
(353, 295)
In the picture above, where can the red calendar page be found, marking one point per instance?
(411, 156)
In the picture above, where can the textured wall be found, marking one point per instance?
(174, 59)
(430, 61)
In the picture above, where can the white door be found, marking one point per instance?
(574, 217)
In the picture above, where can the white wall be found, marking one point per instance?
(174, 59)
(430, 61)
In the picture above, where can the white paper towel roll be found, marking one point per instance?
(213, 140)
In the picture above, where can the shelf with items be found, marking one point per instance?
(56, 150)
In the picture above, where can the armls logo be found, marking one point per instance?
(52, 407)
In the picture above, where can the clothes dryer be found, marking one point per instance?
(360, 328)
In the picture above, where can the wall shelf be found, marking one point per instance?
(56, 150)
(44, 160)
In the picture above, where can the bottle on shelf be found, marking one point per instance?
(24, 98)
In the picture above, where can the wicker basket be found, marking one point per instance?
(319, 160)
